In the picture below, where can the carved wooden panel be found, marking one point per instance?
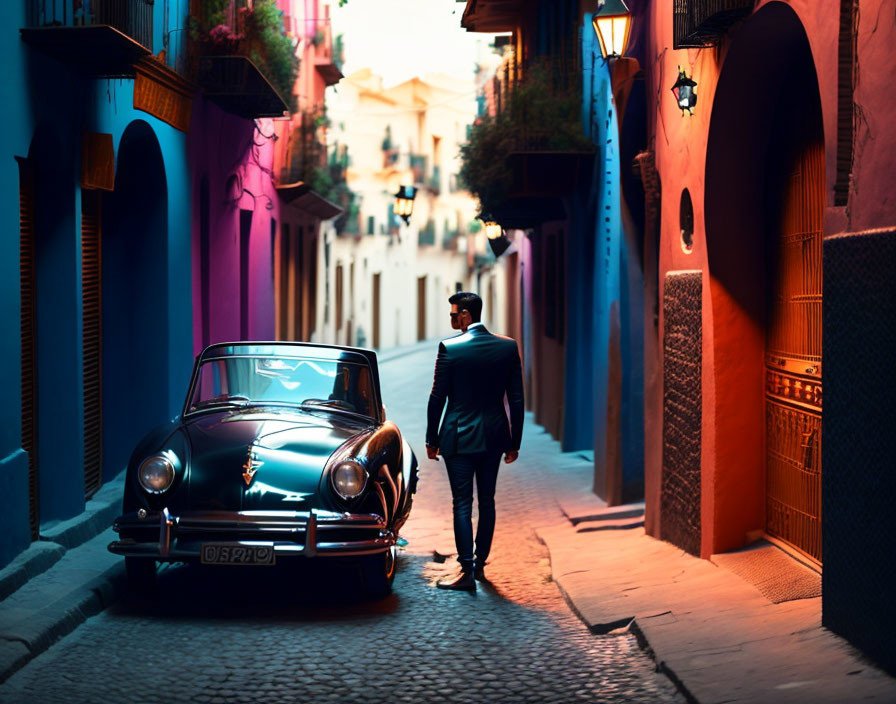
(682, 402)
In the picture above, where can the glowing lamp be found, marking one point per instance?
(404, 202)
(612, 24)
(497, 240)
(683, 90)
(493, 230)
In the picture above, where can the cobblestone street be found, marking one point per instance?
(299, 635)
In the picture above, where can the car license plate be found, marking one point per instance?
(237, 554)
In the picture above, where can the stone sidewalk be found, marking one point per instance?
(715, 635)
(60, 581)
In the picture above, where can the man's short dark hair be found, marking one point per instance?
(465, 300)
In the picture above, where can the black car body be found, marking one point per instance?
(282, 451)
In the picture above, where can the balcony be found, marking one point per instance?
(243, 60)
(239, 87)
(417, 164)
(523, 160)
(426, 237)
(325, 63)
(434, 183)
(310, 180)
(102, 38)
(698, 23)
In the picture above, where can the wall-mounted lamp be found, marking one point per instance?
(684, 93)
(497, 240)
(612, 25)
(404, 202)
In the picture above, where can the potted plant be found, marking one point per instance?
(538, 117)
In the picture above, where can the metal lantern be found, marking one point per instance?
(497, 240)
(612, 24)
(683, 90)
(493, 230)
(404, 202)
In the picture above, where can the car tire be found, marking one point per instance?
(378, 572)
(141, 572)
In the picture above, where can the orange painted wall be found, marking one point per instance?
(728, 246)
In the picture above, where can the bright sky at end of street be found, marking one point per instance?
(400, 39)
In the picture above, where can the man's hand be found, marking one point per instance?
(432, 452)
(510, 456)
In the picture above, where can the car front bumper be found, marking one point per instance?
(180, 538)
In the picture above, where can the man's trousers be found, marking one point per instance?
(462, 470)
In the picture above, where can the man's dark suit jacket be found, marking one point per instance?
(473, 372)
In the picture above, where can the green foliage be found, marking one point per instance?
(339, 51)
(222, 28)
(271, 50)
(537, 116)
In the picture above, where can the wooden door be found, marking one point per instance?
(793, 357)
(92, 338)
(376, 312)
(28, 331)
(339, 300)
(421, 307)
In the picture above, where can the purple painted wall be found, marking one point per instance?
(234, 203)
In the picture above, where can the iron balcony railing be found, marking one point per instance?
(417, 164)
(130, 17)
(698, 23)
(306, 153)
(559, 75)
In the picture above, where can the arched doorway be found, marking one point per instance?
(764, 203)
(135, 327)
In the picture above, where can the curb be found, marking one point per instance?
(29, 622)
(97, 515)
(36, 631)
(629, 624)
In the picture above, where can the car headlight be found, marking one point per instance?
(349, 479)
(156, 474)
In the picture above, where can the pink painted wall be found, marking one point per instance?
(235, 155)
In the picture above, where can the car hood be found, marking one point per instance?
(288, 452)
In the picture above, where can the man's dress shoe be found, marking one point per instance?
(479, 574)
(464, 582)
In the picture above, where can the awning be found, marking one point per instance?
(299, 195)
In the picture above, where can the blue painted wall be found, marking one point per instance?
(46, 108)
(604, 281)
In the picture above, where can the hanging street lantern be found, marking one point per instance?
(493, 230)
(497, 240)
(683, 90)
(612, 24)
(404, 202)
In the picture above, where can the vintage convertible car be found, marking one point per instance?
(282, 451)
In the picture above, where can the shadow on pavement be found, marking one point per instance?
(314, 590)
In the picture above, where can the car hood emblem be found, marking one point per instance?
(251, 466)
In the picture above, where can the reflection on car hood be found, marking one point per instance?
(287, 451)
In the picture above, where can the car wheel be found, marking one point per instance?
(141, 572)
(377, 573)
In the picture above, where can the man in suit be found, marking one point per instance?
(474, 372)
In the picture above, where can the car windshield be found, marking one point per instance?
(260, 380)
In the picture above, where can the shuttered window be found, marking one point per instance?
(27, 283)
(92, 339)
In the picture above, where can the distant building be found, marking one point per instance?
(386, 283)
